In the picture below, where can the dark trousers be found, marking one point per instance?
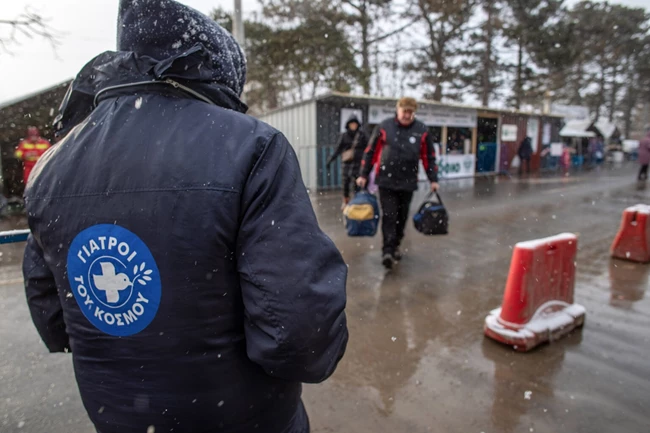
(643, 173)
(347, 181)
(521, 166)
(395, 209)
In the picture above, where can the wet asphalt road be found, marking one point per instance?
(417, 360)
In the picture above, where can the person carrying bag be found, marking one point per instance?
(350, 148)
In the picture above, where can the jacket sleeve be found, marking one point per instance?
(43, 299)
(362, 140)
(20, 150)
(338, 151)
(428, 156)
(369, 154)
(292, 275)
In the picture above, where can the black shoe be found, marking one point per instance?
(397, 256)
(387, 261)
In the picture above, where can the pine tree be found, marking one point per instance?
(525, 25)
(482, 67)
(435, 61)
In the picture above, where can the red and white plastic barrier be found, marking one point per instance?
(633, 239)
(538, 300)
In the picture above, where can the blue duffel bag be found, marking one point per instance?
(432, 218)
(362, 215)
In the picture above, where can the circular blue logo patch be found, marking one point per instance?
(114, 279)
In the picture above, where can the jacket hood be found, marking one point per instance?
(352, 119)
(164, 29)
(203, 59)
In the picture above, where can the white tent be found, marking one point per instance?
(630, 146)
(605, 127)
(577, 129)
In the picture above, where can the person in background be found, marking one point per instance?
(455, 145)
(600, 151)
(395, 149)
(174, 250)
(644, 154)
(525, 152)
(30, 150)
(565, 159)
(350, 147)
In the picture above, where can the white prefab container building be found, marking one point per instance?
(469, 138)
(298, 124)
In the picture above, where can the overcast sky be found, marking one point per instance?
(88, 28)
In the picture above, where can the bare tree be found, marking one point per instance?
(30, 25)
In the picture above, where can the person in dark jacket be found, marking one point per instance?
(644, 155)
(395, 148)
(174, 249)
(525, 152)
(350, 147)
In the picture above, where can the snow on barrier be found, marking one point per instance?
(633, 238)
(538, 301)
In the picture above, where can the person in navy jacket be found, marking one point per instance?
(174, 248)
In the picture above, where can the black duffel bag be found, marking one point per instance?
(432, 218)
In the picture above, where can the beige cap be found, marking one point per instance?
(408, 103)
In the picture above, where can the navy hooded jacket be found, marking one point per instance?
(174, 248)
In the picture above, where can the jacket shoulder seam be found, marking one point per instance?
(136, 190)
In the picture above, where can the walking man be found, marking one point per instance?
(525, 152)
(395, 149)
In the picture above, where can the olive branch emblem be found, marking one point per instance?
(141, 274)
